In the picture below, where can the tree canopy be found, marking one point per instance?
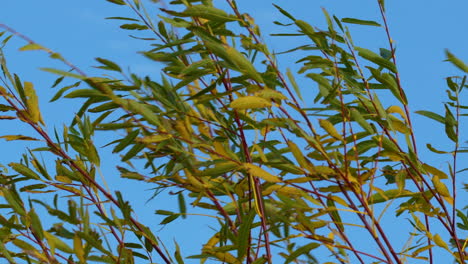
(284, 172)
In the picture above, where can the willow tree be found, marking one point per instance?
(227, 132)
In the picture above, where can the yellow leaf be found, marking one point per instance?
(260, 173)
(286, 190)
(398, 125)
(32, 103)
(440, 187)
(212, 242)
(339, 200)
(155, 138)
(244, 65)
(440, 242)
(303, 162)
(17, 137)
(180, 126)
(421, 249)
(396, 109)
(220, 148)
(271, 94)
(330, 129)
(299, 180)
(324, 171)
(64, 179)
(250, 102)
(260, 152)
(394, 156)
(435, 171)
(57, 243)
(196, 184)
(290, 191)
(226, 257)
(270, 189)
(32, 46)
(78, 248)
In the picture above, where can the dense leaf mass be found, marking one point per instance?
(287, 173)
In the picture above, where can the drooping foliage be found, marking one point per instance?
(288, 171)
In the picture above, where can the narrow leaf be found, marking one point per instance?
(260, 173)
(432, 115)
(32, 46)
(456, 61)
(249, 102)
(375, 58)
(360, 22)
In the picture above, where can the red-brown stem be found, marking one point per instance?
(58, 151)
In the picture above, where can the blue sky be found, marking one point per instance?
(78, 30)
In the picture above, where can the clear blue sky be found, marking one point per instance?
(78, 30)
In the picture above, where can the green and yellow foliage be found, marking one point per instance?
(286, 172)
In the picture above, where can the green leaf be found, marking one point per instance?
(117, 2)
(126, 141)
(33, 187)
(242, 63)
(331, 208)
(36, 225)
(109, 65)
(456, 61)
(63, 90)
(391, 83)
(244, 233)
(177, 254)
(450, 124)
(307, 29)
(385, 53)
(169, 219)
(432, 115)
(219, 169)
(375, 58)
(13, 200)
(142, 109)
(123, 18)
(133, 151)
(84, 93)
(320, 79)
(182, 206)
(63, 73)
(260, 260)
(209, 13)
(431, 148)
(294, 83)
(360, 22)
(356, 115)
(285, 13)
(300, 251)
(133, 26)
(6, 108)
(435, 171)
(382, 196)
(386, 143)
(6, 254)
(17, 137)
(23, 245)
(23, 170)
